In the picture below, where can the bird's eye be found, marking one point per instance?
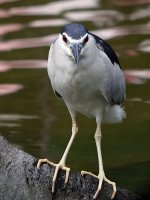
(86, 39)
(65, 39)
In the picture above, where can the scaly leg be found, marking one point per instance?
(101, 176)
(62, 163)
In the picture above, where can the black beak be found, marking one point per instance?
(76, 50)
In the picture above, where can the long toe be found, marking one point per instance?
(98, 188)
(83, 173)
(60, 166)
(45, 160)
(101, 179)
(113, 185)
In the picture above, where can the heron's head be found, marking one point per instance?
(74, 38)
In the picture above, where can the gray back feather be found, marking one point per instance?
(115, 86)
(115, 91)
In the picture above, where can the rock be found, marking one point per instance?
(20, 180)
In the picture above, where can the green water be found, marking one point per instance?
(35, 120)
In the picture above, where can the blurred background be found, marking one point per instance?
(32, 118)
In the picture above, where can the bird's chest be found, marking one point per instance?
(79, 86)
(74, 82)
(78, 92)
(70, 83)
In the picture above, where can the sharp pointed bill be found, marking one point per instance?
(76, 50)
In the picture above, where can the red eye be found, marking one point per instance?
(86, 39)
(64, 39)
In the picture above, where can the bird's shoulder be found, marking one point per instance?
(106, 48)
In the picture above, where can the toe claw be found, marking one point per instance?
(114, 190)
(40, 161)
(54, 179)
(88, 173)
(98, 189)
(67, 175)
(53, 187)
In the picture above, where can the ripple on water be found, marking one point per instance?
(9, 88)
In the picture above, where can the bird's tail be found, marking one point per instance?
(114, 114)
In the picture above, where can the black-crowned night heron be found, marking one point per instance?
(85, 72)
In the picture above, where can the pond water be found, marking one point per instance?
(31, 116)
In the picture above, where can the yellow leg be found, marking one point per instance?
(101, 175)
(61, 164)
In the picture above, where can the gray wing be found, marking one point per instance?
(114, 91)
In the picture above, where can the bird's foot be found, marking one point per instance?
(101, 178)
(58, 166)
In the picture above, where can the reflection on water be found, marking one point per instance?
(145, 74)
(139, 14)
(9, 88)
(23, 64)
(100, 17)
(145, 46)
(48, 23)
(130, 3)
(35, 120)
(54, 8)
(46, 40)
(26, 43)
(137, 76)
(7, 1)
(12, 120)
(122, 31)
(9, 28)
